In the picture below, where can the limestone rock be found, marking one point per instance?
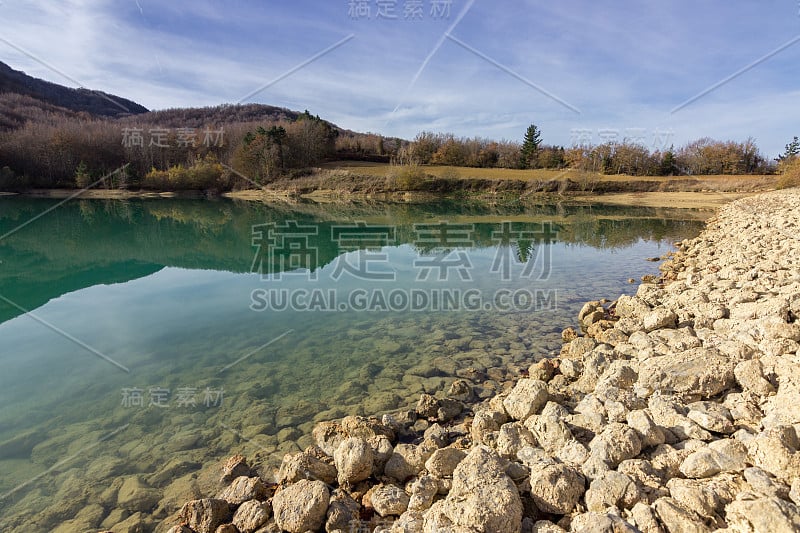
(244, 488)
(482, 499)
(302, 506)
(764, 514)
(354, 460)
(443, 462)
(612, 489)
(526, 398)
(556, 488)
(616, 443)
(676, 518)
(205, 515)
(699, 371)
(251, 515)
(389, 500)
(305, 465)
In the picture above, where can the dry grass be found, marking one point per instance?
(712, 183)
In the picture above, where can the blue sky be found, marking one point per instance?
(624, 66)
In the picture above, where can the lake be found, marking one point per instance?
(150, 337)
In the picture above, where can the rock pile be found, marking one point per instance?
(677, 410)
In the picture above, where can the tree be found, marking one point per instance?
(82, 177)
(530, 146)
(792, 150)
(668, 166)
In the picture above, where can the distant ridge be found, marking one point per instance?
(78, 100)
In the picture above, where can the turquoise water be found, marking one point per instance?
(134, 333)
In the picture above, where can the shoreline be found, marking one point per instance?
(676, 199)
(667, 414)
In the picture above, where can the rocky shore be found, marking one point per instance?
(676, 409)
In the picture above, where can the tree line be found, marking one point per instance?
(79, 150)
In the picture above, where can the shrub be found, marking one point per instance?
(202, 175)
(409, 178)
(790, 176)
(82, 177)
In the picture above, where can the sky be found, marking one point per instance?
(657, 73)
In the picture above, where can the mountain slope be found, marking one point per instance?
(93, 102)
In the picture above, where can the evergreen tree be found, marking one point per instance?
(792, 150)
(530, 146)
(668, 166)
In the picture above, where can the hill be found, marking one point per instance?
(96, 103)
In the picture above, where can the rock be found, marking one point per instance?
(408, 460)
(244, 488)
(573, 453)
(612, 489)
(600, 523)
(794, 491)
(764, 484)
(437, 434)
(549, 431)
(251, 515)
(695, 495)
(134, 495)
(711, 416)
(382, 450)
(698, 371)
(448, 409)
(343, 512)
(556, 488)
(485, 422)
(750, 376)
(676, 518)
(763, 514)
(775, 450)
(427, 406)
(305, 465)
(443, 462)
(482, 499)
(461, 390)
(707, 462)
(408, 522)
(511, 438)
(179, 529)
(423, 492)
(669, 415)
(302, 506)
(227, 528)
(205, 515)
(354, 460)
(328, 436)
(389, 500)
(645, 519)
(648, 431)
(616, 443)
(526, 398)
(543, 370)
(658, 318)
(569, 335)
(631, 306)
(546, 526)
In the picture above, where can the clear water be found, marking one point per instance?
(145, 342)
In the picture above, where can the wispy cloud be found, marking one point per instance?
(623, 65)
